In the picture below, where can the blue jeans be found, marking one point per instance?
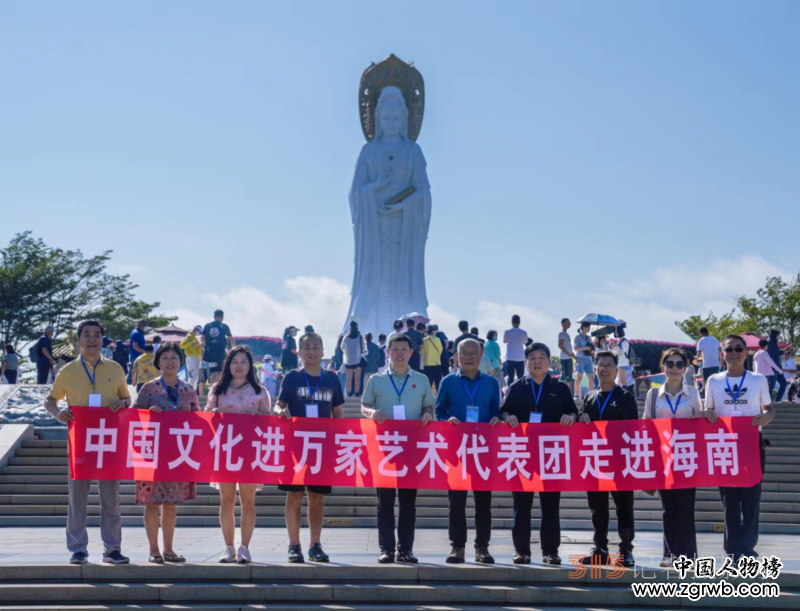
(781, 380)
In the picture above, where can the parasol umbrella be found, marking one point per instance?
(603, 320)
(417, 317)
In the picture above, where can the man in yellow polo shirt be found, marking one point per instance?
(91, 381)
(194, 352)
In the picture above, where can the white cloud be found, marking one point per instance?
(321, 302)
(650, 306)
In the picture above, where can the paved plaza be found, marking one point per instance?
(350, 545)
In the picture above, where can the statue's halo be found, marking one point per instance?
(391, 72)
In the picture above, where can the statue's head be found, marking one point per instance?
(391, 113)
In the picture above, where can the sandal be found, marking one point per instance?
(156, 559)
(174, 558)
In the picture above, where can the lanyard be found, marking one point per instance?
(177, 390)
(399, 392)
(313, 392)
(677, 403)
(535, 396)
(741, 385)
(92, 378)
(603, 408)
(472, 394)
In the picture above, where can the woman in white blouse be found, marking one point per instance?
(674, 399)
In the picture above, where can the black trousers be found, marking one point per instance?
(550, 531)
(415, 362)
(405, 523)
(515, 367)
(598, 503)
(43, 369)
(742, 507)
(678, 519)
(434, 373)
(458, 517)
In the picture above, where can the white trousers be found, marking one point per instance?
(193, 367)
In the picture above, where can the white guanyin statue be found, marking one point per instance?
(390, 203)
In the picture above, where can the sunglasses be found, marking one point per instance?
(730, 349)
(675, 365)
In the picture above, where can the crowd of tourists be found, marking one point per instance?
(415, 373)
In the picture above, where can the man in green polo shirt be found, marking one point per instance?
(399, 393)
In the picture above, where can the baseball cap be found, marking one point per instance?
(198, 328)
(49, 328)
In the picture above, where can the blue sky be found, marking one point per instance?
(635, 157)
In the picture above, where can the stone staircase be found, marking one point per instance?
(33, 492)
(351, 587)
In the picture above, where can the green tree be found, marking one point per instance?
(776, 304)
(41, 286)
(719, 327)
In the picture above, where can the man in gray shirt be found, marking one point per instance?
(565, 344)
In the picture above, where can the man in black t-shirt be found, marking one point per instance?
(610, 402)
(416, 343)
(216, 340)
(310, 392)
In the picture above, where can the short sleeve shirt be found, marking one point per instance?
(296, 392)
(44, 342)
(216, 338)
(515, 339)
(12, 361)
(746, 394)
(582, 341)
(137, 339)
(74, 384)
(567, 342)
(710, 348)
(380, 394)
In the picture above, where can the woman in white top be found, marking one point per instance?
(676, 400)
(353, 349)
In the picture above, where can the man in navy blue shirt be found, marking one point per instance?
(137, 341)
(45, 362)
(537, 397)
(468, 396)
(310, 392)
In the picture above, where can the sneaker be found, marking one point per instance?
(667, 562)
(79, 558)
(315, 554)
(229, 556)
(115, 557)
(244, 555)
(296, 554)
(597, 556)
(627, 559)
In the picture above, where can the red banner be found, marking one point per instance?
(136, 444)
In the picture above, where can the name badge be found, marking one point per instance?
(399, 412)
(736, 412)
(535, 417)
(472, 413)
(312, 410)
(95, 400)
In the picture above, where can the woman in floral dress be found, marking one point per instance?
(165, 393)
(238, 392)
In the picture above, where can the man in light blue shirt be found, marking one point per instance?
(399, 393)
(469, 396)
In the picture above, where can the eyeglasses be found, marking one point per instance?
(730, 349)
(675, 365)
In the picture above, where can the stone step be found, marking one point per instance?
(341, 586)
(335, 504)
(364, 522)
(785, 492)
(499, 515)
